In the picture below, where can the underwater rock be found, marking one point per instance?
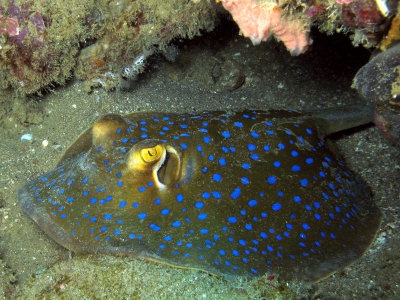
(379, 81)
(228, 75)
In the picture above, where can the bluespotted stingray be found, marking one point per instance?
(241, 193)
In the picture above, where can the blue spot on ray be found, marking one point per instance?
(176, 223)
(271, 179)
(199, 204)
(217, 177)
(276, 206)
(226, 134)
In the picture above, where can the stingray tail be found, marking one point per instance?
(333, 120)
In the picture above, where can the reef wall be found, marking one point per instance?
(45, 42)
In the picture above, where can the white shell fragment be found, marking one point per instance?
(26, 137)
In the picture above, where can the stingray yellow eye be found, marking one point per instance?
(152, 154)
(146, 156)
(158, 162)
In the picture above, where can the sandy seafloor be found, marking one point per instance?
(33, 266)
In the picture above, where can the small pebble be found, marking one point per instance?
(45, 143)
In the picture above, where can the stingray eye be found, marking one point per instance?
(152, 154)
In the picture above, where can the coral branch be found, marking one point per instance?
(259, 21)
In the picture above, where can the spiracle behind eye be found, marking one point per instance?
(169, 171)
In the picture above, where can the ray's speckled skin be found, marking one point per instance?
(243, 193)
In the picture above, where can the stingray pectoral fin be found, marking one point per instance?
(81, 145)
(41, 217)
(170, 264)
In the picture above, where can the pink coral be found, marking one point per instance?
(259, 21)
